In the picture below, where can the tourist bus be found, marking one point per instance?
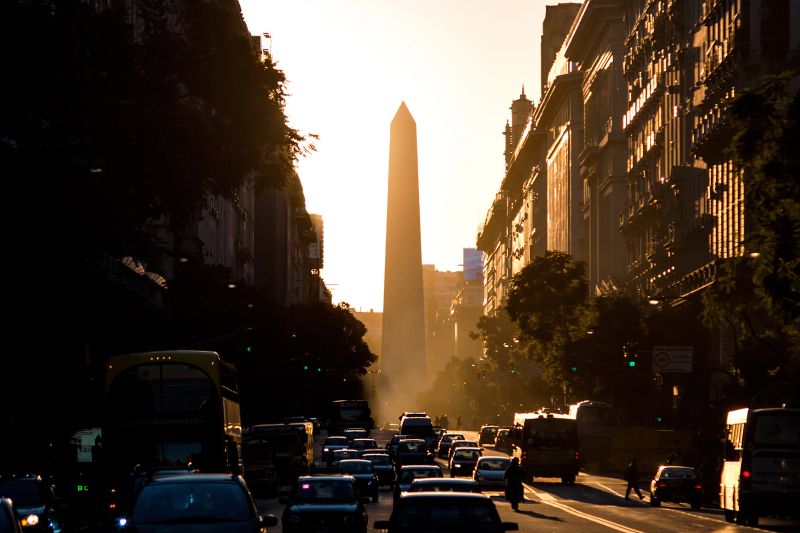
(168, 409)
(349, 414)
(597, 426)
(761, 469)
(546, 445)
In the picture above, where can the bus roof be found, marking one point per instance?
(520, 418)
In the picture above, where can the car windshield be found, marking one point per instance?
(412, 446)
(677, 473)
(24, 493)
(450, 437)
(467, 454)
(356, 467)
(406, 476)
(336, 441)
(361, 443)
(340, 490)
(493, 464)
(378, 459)
(190, 502)
(451, 515)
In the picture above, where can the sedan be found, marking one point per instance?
(195, 503)
(445, 512)
(445, 442)
(383, 466)
(676, 484)
(364, 444)
(332, 444)
(461, 444)
(489, 471)
(463, 461)
(407, 474)
(413, 452)
(325, 503)
(364, 474)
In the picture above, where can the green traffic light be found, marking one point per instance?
(631, 364)
(574, 368)
(319, 369)
(659, 419)
(305, 367)
(249, 349)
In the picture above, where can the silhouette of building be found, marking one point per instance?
(403, 355)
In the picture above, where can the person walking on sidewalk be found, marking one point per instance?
(632, 477)
(515, 492)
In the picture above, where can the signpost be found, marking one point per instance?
(673, 359)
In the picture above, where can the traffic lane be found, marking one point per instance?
(601, 501)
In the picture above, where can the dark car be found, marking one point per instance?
(445, 512)
(34, 502)
(325, 503)
(445, 442)
(332, 444)
(463, 461)
(413, 452)
(391, 446)
(195, 502)
(503, 439)
(487, 434)
(407, 474)
(9, 521)
(444, 485)
(364, 444)
(438, 431)
(383, 466)
(364, 473)
(461, 444)
(355, 433)
(344, 453)
(676, 484)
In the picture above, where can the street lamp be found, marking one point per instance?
(373, 372)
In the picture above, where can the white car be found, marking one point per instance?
(489, 471)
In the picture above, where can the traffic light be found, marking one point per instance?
(305, 367)
(249, 349)
(319, 369)
(573, 368)
(630, 355)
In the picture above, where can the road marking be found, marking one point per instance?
(549, 499)
(609, 489)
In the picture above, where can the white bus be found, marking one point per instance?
(761, 472)
(597, 426)
(546, 445)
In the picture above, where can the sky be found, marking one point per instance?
(457, 64)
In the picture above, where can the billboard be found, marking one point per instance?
(473, 265)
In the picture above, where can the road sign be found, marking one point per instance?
(676, 359)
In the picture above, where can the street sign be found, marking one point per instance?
(675, 359)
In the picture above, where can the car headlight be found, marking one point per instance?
(30, 520)
(457, 466)
(122, 522)
(325, 450)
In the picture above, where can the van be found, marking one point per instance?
(418, 427)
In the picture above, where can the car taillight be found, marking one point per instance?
(746, 474)
(524, 455)
(698, 486)
(662, 485)
(577, 455)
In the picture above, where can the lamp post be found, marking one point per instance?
(373, 372)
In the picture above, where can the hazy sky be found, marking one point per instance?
(457, 64)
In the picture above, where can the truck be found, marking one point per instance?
(274, 455)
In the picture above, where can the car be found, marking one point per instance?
(364, 444)
(355, 433)
(295, 419)
(489, 471)
(445, 442)
(383, 466)
(190, 502)
(445, 511)
(461, 444)
(413, 452)
(438, 431)
(344, 453)
(35, 503)
(407, 474)
(364, 473)
(9, 521)
(391, 446)
(463, 461)
(325, 503)
(503, 439)
(444, 485)
(676, 484)
(487, 435)
(332, 444)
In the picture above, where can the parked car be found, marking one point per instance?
(409, 473)
(445, 511)
(325, 503)
(9, 521)
(443, 484)
(37, 507)
(413, 452)
(332, 444)
(364, 474)
(503, 439)
(190, 502)
(445, 442)
(463, 461)
(383, 466)
(489, 471)
(676, 484)
(487, 434)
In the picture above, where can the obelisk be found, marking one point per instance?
(403, 370)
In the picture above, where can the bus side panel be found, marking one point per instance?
(729, 484)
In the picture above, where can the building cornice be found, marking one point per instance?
(590, 21)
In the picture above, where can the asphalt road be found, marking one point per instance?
(593, 504)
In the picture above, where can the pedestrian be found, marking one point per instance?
(515, 492)
(458, 422)
(632, 477)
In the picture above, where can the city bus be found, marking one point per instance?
(597, 426)
(761, 469)
(275, 454)
(546, 445)
(349, 414)
(171, 409)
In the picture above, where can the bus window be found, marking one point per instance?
(777, 430)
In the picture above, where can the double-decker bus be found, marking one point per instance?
(597, 425)
(168, 409)
(349, 414)
(546, 445)
(761, 472)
